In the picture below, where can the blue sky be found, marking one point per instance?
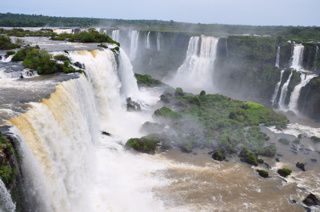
(253, 12)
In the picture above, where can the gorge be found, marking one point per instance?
(71, 129)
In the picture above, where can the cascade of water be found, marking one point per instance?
(69, 165)
(129, 83)
(294, 98)
(116, 35)
(148, 41)
(6, 203)
(134, 41)
(196, 72)
(297, 57)
(283, 94)
(277, 88)
(316, 58)
(5, 59)
(158, 42)
(277, 64)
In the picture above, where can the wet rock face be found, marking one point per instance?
(132, 105)
(309, 102)
(311, 200)
(301, 166)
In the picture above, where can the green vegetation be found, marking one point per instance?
(7, 169)
(290, 33)
(147, 80)
(18, 32)
(6, 44)
(166, 112)
(248, 157)
(147, 144)
(284, 172)
(61, 57)
(199, 120)
(263, 173)
(219, 155)
(8, 53)
(90, 36)
(42, 61)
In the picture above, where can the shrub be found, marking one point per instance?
(248, 157)
(179, 92)
(284, 172)
(61, 57)
(263, 173)
(147, 144)
(6, 44)
(166, 112)
(147, 80)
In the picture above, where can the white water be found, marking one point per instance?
(6, 203)
(134, 41)
(5, 59)
(69, 164)
(276, 90)
(283, 94)
(129, 86)
(158, 42)
(297, 57)
(116, 35)
(294, 98)
(196, 72)
(148, 41)
(277, 64)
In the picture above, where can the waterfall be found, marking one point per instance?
(116, 35)
(129, 83)
(6, 203)
(196, 72)
(158, 42)
(294, 98)
(284, 91)
(277, 64)
(276, 90)
(297, 57)
(148, 41)
(134, 41)
(315, 58)
(68, 164)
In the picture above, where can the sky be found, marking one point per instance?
(250, 12)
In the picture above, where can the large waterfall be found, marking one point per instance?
(116, 35)
(148, 46)
(158, 41)
(196, 72)
(294, 98)
(277, 88)
(283, 93)
(277, 64)
(6, 204)
(134, 42)
(68, 164)
(297, 57)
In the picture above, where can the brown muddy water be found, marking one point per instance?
(198, 183)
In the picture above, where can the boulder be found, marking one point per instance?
(218, 155)
(301, 166)
(311, 200)
(79, 65)
(132, 105)
(106, 133)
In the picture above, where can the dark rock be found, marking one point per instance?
(301, 166)
(65, 51)
(132, 105)
(313, 160)
(106, 133)
(164, 98)
(277, 159)
(218, 155)
(311, 200)
(79, 65)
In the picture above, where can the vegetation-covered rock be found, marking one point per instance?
(284, 172)
(19, 32)
(42, 61)
(132, 105)
(6, 44)
(147, 81)
(248, 157)
(7, 168)
(90, 36)
(263, 173)
(166, 112)
(147, 144)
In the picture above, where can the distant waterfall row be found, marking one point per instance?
(196, 72)
(281, 98)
